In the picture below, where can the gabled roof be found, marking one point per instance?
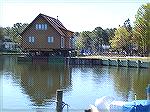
(55, 23)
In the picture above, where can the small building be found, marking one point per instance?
(46, 35)
(6, 44)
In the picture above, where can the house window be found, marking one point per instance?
(50, 39)
(45, 26)
(62, 42)
(37, 27)
(70, 43)
(31, 39)
(41, 26)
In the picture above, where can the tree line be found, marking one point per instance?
(132, 39)
(94, 40)
(126, 38)
(13, 32)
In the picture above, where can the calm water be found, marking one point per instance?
(32, 87)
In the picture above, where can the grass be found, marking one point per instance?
(146, 59)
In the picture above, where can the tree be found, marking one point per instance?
(110, 33)
(121, 40)
(99, 37)
(86, 39)
(127, 26)
(1, 33)
(15, 31)
(142, 28)
(94, 40)
(78, 40)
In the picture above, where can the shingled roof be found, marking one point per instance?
(55, 23)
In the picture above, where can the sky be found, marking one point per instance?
(76, 15)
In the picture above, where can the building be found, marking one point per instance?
(47, 36)
(6, 44)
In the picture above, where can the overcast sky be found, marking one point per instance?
(76, 15)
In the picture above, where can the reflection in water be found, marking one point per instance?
(129, 81)
(40, 81)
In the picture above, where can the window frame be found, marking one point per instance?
(37, 26)
(50, 39)
(45, 26)
(31, 39)
(40, 26)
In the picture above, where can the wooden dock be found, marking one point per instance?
(86, 61)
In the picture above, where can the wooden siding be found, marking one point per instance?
(41, 37)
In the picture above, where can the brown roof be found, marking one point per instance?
(55, 23)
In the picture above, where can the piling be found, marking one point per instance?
(148, 92)
(138, 64)
(118, 62)
(109, 62)
(127, 63)
(59, 97)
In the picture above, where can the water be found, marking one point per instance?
(32, 87)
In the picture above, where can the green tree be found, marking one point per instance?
(99, 37)
(142, 28)
(78, 40)
(110, 34)
(121, 40)
(1, 33)
(127, 26)
(15, 31)
(94, 40)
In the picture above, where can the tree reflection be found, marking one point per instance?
(39, 81)
(128, 81)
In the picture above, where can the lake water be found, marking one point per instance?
(32, 87)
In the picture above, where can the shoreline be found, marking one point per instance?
(11, 53)
(131, 58)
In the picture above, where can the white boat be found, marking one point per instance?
(109, 104)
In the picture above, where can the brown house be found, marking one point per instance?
(48, 36)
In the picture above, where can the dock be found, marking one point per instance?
(85, 61)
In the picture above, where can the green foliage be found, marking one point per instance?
(121, 39)
(15, 31)
(125, 37)
(79, 41)
(1, 33)
(94, 40)
(142, 28)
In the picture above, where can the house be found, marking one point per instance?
(7, 44)
(46, 35)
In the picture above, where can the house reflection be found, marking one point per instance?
(40, 81)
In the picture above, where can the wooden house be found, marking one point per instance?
(46, 35)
